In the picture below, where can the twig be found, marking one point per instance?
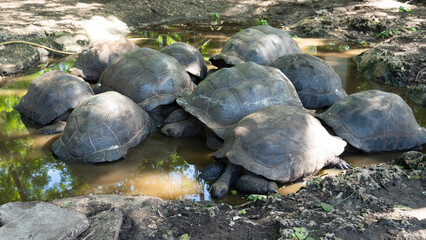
(198, 48)
(418, 74)
(88, 235)
(38, 45)
(272, 236)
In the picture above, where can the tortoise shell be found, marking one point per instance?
(51, 95)
(280, 143)
(375, 121)
(316, 82)
(92, 62)
(190, 58)
(228, 95)
(150, 78)
(261, 44)
(102, 128)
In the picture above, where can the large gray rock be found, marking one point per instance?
(40, 221)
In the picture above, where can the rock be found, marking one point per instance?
(321, 12)
(417, 94)
(40, 220)
(380, 65)
(105, 225)
(411, 160)
(15, 58)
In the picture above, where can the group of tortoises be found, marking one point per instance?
(254, 110)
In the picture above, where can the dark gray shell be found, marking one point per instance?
(281, 143)
(375, 121)
(189, 57)
(102, 129)
(316, 82)
(261, 44)
(230, 94)
(148, 77)
(92, 62)
(51, 95)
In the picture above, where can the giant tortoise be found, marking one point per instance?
(150, 78)
(228, 95)
(102, 129)
(375, 121)
(190, 58)
(277, 144)
(316, 82)
(50, 99)
(92, 61)
(261, 44)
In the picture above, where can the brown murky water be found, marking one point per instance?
(160, 166)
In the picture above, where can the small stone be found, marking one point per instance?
(339, 9)
(321, 12)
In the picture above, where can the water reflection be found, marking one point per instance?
(160, 166)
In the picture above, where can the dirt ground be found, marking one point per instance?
(378, 202)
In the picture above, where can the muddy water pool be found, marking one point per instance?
(160, 166)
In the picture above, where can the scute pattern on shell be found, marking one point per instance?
(316, 82)
(102, 129)
(92, 62)
(189, 57)
(375, 121)
(261, 44)
(51, 95)
(148, 77)
(281, 143)
(228, 95)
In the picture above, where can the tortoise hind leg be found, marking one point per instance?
(339, 164)
(256, 184)
(56, 127)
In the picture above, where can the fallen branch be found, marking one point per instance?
(38, 45)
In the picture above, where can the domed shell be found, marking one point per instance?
(190, 58)
(148, 77)
(102, 129)
(92, 62)
(316, 82)
(261, 44)
(51, 95)
(281, 143)
(228, 95)
(375, 121)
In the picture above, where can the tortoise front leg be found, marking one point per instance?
(221, 187)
